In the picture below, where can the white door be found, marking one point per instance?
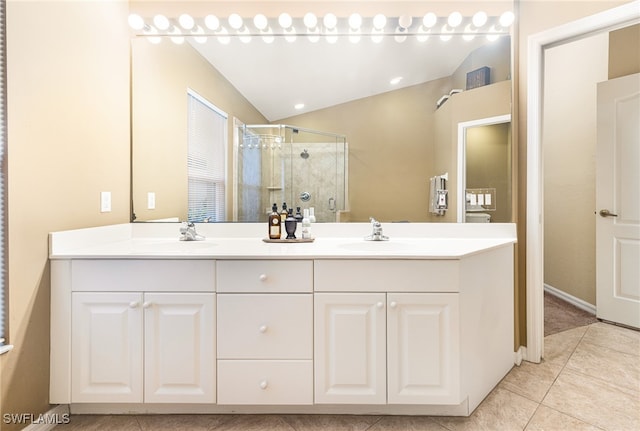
(106, 336)
(350, 348)
(179, 348)
(618, 201)
(422, 340)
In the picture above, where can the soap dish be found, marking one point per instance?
(289, 240)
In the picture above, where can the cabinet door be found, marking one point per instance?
(422, 348)
(179, 347)
(349, 364)
(106, 340)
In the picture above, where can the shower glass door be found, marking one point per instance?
(278, 163)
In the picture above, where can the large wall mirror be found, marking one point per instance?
(368, 109)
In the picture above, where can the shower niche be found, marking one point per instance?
(282, 163)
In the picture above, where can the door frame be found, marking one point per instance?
(462, 157)
(618, 17)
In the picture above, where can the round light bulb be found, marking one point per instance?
(506, 19)
(479, 19)
(135, 21)
(330, 21)
(235, 21)
(260, 21)
(379, 21)
(161, 22)
(310, 20)
(405, 21)
(429, 20)
(186, 21)
(285, 20)
(212, 22)
(355, 21)
(455, 19)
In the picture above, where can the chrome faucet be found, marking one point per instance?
(188, 232)
(376, 235)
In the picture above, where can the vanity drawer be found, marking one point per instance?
(265, 382)
(394, 275)
(143, 275)
(265, 276)
(267, 326)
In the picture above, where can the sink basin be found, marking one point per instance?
(386, 246)
(169, 245)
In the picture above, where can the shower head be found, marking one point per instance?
(304, 154)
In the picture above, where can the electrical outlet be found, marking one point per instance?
(105, 202)
(151, 201)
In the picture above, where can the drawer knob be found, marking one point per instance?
(380, 305)
(393, 304)
(263, 328)
(134, 304)
(146, 304)
(263, 277)
(264, 384)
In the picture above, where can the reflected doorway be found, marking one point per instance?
(485, 170)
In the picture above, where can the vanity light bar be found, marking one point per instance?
(314, 27)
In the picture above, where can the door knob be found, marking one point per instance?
(607, 213)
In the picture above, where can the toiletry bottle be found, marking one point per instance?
(312, 216)
(275, 225)
(298, 216)
(306, 225)
(290, 225)
(283, 217)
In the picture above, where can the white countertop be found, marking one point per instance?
(244, 240)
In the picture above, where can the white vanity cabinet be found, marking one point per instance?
(134, 331)
(379, 348)
(126, 342)
(148, 324)
(265, 332)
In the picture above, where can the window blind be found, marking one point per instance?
(206, 160)
(3, 173)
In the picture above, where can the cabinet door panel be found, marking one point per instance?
(179, 348)
(106, 337)
(349, 363)
(422, 352)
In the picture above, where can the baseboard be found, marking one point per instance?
(47, 421)
(576, 302)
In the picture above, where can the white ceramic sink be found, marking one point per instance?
(170, 245)
(385, 246)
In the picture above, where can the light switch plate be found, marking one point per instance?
(151, 201)
(105, 202)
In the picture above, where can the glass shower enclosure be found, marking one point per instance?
(281, 163)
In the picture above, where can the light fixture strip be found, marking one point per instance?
(328, 25)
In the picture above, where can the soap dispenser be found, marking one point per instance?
(290, 225)
(306, 225)
(298, 216)
(275, 225)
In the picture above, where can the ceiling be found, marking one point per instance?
(275, 76)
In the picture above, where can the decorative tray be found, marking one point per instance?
(289, 240)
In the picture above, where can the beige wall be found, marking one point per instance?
(483, 102)
(68, 139)
(390, 149)
(624, 52)
(161, 75)
(534, 16)
(569, 144)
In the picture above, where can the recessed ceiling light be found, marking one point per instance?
(396, 80)
(298, 106)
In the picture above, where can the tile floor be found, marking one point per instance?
(589, 380)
